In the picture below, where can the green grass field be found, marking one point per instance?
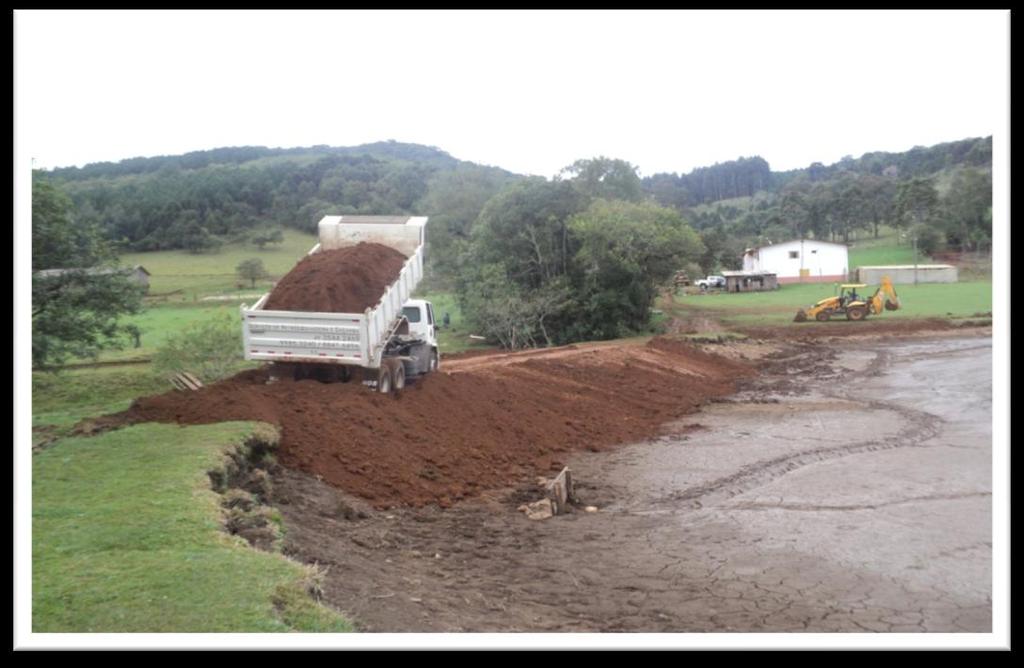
(126, 537)
(777, 307)
(204, 274)
(866, 256)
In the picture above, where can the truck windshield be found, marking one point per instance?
(411, 313)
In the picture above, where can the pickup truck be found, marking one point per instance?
(711, 282)
(387, 343)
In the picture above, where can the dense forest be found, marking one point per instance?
(198, 200)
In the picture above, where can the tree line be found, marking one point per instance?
(201, 200)
(747, 176)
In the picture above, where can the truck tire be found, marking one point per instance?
(398, 377)
(822, 316)
(435, 361)
(384, 378)
(856, 313)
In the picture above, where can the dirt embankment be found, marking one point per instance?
(453, 435)
(344, 280)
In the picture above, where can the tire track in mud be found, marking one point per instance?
(921, 426)
(813, 507)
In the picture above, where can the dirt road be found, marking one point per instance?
(848, 488)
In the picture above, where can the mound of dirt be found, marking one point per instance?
(452, 435)
(343, 280)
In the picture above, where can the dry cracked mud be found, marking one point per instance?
(846, 489)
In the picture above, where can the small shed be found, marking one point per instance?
(904, 274)
(750, 281)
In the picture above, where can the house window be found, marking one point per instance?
(794, 255)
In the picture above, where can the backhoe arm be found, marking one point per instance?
(892, 300)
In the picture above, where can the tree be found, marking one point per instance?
(251, 270)
(928, 238)
(626, 252)
(606, 178)
(917, 203)
(264, 237)
(454, 201)
(848, 210)
(57, 240)
(879, 199)
(967, 209)
(77, 306)
(523, 229)
(795, 207)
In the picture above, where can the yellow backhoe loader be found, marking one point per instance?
(851, 304)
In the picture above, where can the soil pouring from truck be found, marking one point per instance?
(389, 342)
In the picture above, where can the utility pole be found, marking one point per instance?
(915, 258)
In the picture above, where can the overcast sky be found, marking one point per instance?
(528, 91)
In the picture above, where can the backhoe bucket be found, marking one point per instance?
(801, 316)
(891, 305)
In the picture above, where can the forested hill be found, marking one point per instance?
(746, 176)
(237, 155)
(200, 199)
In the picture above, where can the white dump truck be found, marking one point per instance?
(389, 342)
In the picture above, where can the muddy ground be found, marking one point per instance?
(846, 489)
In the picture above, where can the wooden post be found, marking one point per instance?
(560, 492)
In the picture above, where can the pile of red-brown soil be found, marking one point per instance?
(343, 280)
(454, 434)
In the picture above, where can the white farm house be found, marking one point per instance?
(800, 261)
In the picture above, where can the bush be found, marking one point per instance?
(210, 349)
(928, 238)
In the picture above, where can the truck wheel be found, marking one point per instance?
(856, 313)
(434, 362)
(398, 377)
(384, 378)
(822, 316)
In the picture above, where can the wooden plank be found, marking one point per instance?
(183, 381)
(560, 492)
(195, 381)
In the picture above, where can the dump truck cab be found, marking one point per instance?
(419, 313)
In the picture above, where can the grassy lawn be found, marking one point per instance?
(925, 300)
(861, 256)
(126, 537)
(157, 323)
(61, 400)
(198, 275)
